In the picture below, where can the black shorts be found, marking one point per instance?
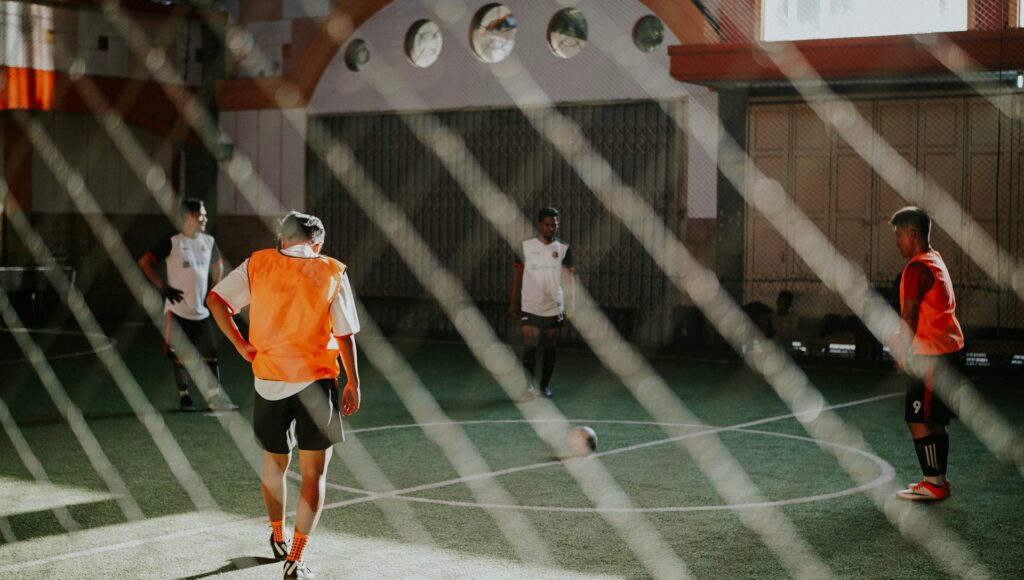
(198, 332)
(542, 322)
(309, 419)
(922, 404)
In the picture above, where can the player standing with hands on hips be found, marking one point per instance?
(192, 260)
(930, 328)
(302, 318)
(543, 269)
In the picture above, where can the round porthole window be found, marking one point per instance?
(423, 43)
(357, 55)
(567, 33)
(493, 33)
(648, 33)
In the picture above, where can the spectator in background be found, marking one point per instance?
(784, 324)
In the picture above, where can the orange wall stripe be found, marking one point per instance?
(141, 103)
(25, 88)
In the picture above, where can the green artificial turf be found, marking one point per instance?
(429, 532)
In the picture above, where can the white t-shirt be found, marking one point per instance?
(234, 289)
(188, 263)
(542, 266)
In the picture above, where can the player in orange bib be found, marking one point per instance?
(928, 310)
(302, 318)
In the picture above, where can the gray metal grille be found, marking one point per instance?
(638, 139)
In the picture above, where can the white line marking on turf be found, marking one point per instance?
(886, 475)
(111, 343)
(371, 496)
(542, 465)
(294, 476)
(401, 493)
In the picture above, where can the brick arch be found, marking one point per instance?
(294, 90)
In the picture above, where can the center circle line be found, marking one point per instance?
(886, 475)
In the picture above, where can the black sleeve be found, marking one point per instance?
(567, 260)
(162, 249)
(215, 253)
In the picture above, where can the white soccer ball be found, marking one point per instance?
(581, 441)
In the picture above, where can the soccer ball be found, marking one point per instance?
(581, 441)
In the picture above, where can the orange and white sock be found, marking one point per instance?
(278, 528)
(298, 545)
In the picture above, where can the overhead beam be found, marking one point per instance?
(874, 57)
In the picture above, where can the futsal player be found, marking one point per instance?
(928, 310)
(191, 259)
(302, 317)
(542, 270)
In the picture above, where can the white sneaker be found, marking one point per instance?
(529, 395)
(220, 402)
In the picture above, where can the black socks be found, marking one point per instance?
(182, 379)
(932, 454)
(548, 367)
(530, 360)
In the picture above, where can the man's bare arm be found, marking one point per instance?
(226, 322)
(569, 288)
(513, 295)
(350, 396)
(148, 265)
(909, 314)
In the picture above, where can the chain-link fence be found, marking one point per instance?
(961, 145)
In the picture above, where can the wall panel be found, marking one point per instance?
(964, 149)
(247, 140)
(268, 161)
(274, 143)
(86, 146)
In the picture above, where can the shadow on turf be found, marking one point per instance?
(234, 564)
